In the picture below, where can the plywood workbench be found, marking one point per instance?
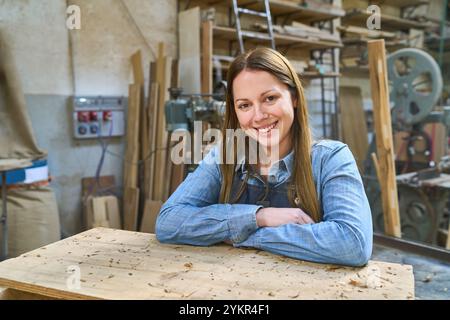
(116, 264)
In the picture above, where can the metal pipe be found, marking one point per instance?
(412, 247)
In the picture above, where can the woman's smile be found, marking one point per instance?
(266, 129)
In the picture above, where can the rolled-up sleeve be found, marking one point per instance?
(345, 234)
(193, 215)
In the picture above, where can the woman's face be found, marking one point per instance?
(264, 108)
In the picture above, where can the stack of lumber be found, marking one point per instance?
(147, 166)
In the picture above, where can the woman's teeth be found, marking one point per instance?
(268, 128)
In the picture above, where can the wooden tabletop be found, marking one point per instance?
(117, 264)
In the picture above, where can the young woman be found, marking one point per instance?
(310, 205)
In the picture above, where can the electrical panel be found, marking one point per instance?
(95, 117)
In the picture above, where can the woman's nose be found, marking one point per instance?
(259, 114)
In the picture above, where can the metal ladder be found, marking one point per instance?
(238, 10)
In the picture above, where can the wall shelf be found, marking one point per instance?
(401, 3)
(296, 11)
(281, 40)
(358, 17)
(307, 12)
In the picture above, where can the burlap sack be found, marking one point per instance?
(33, 219)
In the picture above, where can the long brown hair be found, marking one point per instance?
(302, 193)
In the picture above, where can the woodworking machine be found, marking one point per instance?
(415, 83)
(183, 109)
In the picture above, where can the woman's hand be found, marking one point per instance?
(274, 217)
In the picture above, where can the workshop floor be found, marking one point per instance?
(432, 277)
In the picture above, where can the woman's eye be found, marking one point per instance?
(271, 98)
(243, 106)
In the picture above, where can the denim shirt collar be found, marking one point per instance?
(279, 172)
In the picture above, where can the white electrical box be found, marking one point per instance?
(95, 117)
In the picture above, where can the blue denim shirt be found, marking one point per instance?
(193, 215)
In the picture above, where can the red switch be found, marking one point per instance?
(83, 116)
(93, 116)
(107, 115)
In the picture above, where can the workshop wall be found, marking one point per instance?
(55, 64)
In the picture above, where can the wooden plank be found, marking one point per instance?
(138, 73)
(163, 71)
(105, 212)
(174, 172)
(116, 264)
(207, 52)
(88, 213)
(112, 211)
(151, 211)
(99, 213)
(130, 208)
(170, 166)
(383, 131)
(136, 61)
(365, 32)
(189, 52)
(153, 123)
(132, 138)
(91, 186)
(353, 123)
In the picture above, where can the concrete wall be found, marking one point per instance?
(55, 64)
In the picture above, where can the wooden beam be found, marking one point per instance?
(383, 131)
(163, 71)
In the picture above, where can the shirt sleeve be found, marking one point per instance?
(345, 234)
(193, 216)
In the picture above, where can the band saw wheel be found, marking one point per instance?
(415, 85)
